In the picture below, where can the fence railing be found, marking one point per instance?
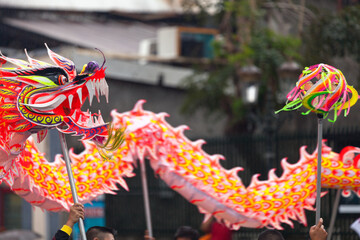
(125, 211)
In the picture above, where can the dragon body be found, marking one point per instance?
(37, 96)
(187, 169)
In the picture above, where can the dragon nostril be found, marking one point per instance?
(92, 66)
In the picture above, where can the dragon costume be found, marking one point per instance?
(29, 105)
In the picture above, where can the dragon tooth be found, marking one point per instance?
(90, 88)
(92, 84)
(89, 123)
(101, 120)
(93, 87)
(70, 98)
(105, 89)
(90, 100)
(107, 96)
(79, 92)
(74, 115)
(102, 86)
(97, 90)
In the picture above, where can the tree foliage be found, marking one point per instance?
(333, 34)
(245, 40)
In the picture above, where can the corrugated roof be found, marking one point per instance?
(149, 6)
(114, 37)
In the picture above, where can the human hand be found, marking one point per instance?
(147, 237)
(318, 232)
(76, 211)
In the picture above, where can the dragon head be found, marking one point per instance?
(36, 96)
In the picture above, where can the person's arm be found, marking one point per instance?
(76, 212)
(147, 237)
(318, 232)
(206, 226)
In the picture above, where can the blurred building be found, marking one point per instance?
(150, 48)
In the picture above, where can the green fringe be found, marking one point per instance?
(293, 105)
(114, 140)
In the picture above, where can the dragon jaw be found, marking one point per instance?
(62, 104)
(66, 100)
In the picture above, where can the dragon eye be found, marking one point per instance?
(62, 80)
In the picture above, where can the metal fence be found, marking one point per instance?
(256, 154)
